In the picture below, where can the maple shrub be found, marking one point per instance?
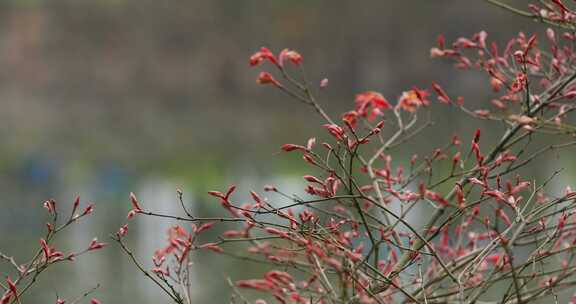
(461, 223)
(25, 273)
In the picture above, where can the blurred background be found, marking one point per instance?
(102, 97)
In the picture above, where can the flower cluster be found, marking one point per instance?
(354, 238)
(25, 274)
(454, 223)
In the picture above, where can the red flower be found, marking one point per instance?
(313, 179)
(411, 100)
(45, 248)
(279, 276)
(6, 297)
(258, 284)
(493, 258)
(477, 135)
(482, 113)
(223, 196)
(134, 201)
(94, 244)
(461, 199)
(335, 131)
(291, 55)
(12, 288)
(292, 147)
(522, 119)
(225, 199)
(50, 205)
(496, 84)
(350, 118)
(89, 209)
(465, 43)
(481, 38)
(49, 253)
(277, 232)
(435, 196)
(519, 83)
(311, 142)
(76, 204)
(264, 54)
(267, 78)
(204, 227)
(442, 96)
(213, 247)
(131, 214)
(551, 36)
(561, 6)
(123, 230)
(257, 199)
(371, 99)
(441, 41)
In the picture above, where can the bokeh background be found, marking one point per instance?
(102, 97)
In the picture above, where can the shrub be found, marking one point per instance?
(490, 230)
